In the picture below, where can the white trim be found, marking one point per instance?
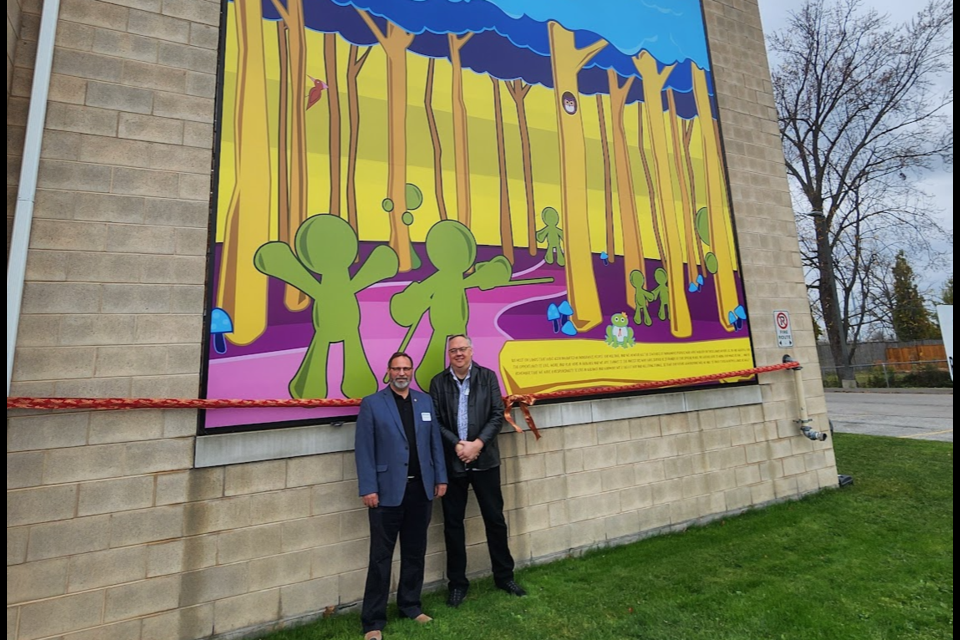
(27, 191)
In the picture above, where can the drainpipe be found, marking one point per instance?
(804, 420)
(27, 193)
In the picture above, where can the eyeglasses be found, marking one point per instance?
(401, 369)
(455, 350)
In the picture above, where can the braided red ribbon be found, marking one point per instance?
(516, 400)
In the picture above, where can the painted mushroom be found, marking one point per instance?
(605, 258)
(696, 285)
(553, 314)
(737, 317)
(565, 312)
(567, 327)
(220, 324)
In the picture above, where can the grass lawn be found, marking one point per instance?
(873, 560)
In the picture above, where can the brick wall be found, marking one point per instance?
(14, 12)
(111, 534)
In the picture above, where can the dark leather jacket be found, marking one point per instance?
(485, 411)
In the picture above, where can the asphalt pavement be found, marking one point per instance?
(925, 414)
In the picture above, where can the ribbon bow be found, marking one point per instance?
(524, 402)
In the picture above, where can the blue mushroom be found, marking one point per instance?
(553, 314)
(220, 324)
(565, 312)
(696, 285)
(737, 317)
(605, 258)
(569, 329)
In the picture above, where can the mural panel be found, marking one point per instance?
(545, 177)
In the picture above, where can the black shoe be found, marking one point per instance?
(512, 588)
(456, 597)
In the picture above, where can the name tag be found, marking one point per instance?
(425, 416)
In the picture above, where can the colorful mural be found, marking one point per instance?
(544, 176)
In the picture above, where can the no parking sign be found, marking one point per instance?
(781, 320)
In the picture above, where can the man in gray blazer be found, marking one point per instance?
(400, 469)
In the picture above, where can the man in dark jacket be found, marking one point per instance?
(469, 408)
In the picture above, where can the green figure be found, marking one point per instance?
(452, 249)
(662, 292)
(327, 246)
(619, 333)
(642, 300)
(552, 235)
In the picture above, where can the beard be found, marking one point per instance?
(400, 383)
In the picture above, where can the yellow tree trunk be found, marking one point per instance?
(461, 154)
(506, 226)
(395, 42)
(567, 61)
(435, 139)
(293, 298)
(607, 183)
(242, 291)
(518, 91)
(333, 99)
(632, 247)
(355, 62)
(687, 212)
(720, 233)
(653, 81)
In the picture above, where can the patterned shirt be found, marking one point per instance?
(463, 416)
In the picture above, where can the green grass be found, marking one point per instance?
(869, 561)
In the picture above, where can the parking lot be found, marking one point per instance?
(922, 413)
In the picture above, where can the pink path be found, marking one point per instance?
(265, 376)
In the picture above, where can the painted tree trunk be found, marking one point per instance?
(333, 99)
(293, 298)
(692, 181)
(242, 290)
(632, 249)
(567, 61)
(720, 232)
(395, 42)
(354, 65)
(653, 80)
(461, 154)
(607, 183)
(506, 228)
(518, 91)
(648, 177)
(688, 211)
(434, 139)
(283, 178)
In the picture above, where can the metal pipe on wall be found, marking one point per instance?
(27, 191)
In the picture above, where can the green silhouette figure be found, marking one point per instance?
(619, 333)
(662, 292)
(452, 250)
(642, 298)
(552, 235)
(327, 246)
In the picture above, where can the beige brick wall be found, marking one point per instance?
(14, 17)
(110, 531)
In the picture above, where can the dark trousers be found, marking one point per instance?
(409, 521)
(486, 486)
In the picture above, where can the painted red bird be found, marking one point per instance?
(315, 91)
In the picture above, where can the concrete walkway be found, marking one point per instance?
(901, 413)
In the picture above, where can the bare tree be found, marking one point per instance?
(857, 107)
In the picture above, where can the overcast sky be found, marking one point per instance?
(775, 13)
